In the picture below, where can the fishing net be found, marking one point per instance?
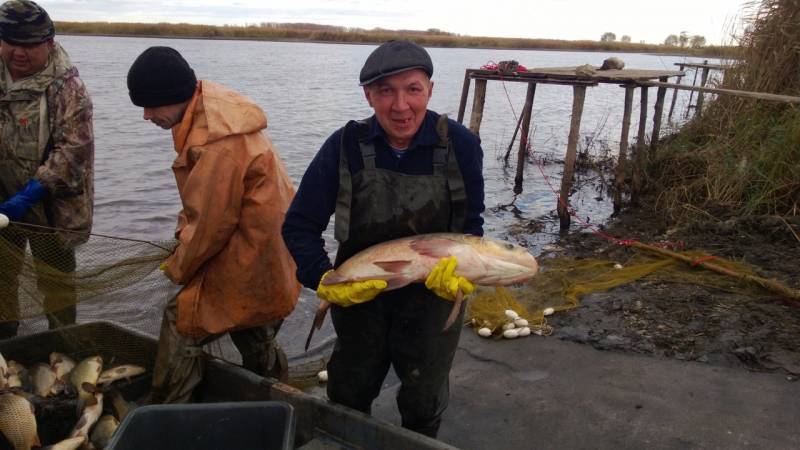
(563, 281)
(44, 284)
(105, 277)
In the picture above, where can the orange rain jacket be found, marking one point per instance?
(235, 192)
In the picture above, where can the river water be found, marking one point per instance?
(308, 90)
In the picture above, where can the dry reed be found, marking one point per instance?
(741, 156)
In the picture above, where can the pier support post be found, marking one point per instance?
(462, 106)
(674, 95)
(638, 152)
(659, 111)
(477, 107)
(513, 138)
(619, 181)
(523, 138)
(578, 96)
(703, 80)
(691, 93)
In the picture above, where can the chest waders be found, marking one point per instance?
(25, 143)
(401, 328)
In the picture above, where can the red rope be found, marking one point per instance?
(699, 261)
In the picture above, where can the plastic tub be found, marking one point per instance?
(268, 425)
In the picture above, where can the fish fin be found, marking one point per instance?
(319, 318)
(393, 266)
(455, 311)
(433, 247)
(332, 278)
(396, 283)
(310, 335)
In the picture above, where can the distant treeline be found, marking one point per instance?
(327, 33)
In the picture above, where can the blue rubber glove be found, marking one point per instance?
(19, 204)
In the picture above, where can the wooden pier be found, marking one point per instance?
(579, 78)
(697, 66)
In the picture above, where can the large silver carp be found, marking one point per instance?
(400, 262)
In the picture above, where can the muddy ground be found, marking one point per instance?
(686, 321)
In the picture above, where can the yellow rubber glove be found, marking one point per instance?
(444, 281)
(163, 266)
(349, 294)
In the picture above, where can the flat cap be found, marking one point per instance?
(394, 57)
(25, 22)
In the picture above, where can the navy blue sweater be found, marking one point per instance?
(315, 201)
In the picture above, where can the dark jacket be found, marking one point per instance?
(315, 201)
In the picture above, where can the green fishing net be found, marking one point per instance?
(562, 282)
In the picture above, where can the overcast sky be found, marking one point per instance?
(642, 20)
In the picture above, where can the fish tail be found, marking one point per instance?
(451, 319)
(319, 318)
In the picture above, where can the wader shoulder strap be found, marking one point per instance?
(455, 182)
(366, 146)
(344, 198)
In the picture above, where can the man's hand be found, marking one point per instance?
(18, 205)
(348, 294)
(444, 281)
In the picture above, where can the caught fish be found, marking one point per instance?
(400, 262)
(15, 367)
(13, 381)
(3, 371)
(87, 371)
(104, 430)
(67, 444)
(61, 364)
(121, 406)
(92, 410)
(17, 422)
(44, 380)
(126, 371)
(17, 375)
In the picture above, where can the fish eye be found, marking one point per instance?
(509, 246)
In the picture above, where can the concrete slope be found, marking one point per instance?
(539, 392)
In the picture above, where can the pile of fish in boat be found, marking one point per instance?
(62, 376)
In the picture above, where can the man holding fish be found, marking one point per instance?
(405, 171)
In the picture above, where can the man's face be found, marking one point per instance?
(400, 102)
(24, 60)
(166, 116)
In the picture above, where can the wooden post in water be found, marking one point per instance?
(578, 96)
(477, 107)
(623, 148)
(659, 111)
(703, 80)
(691, 94)
(638, 152)
(462, 106)
(523, 138)
(674, 95)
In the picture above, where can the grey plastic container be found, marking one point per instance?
(267, 425)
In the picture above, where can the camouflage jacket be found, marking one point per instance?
(46, 133)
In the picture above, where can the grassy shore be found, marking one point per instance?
(325, 33)
(742, 156)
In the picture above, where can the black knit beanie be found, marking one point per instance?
(160, 76)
